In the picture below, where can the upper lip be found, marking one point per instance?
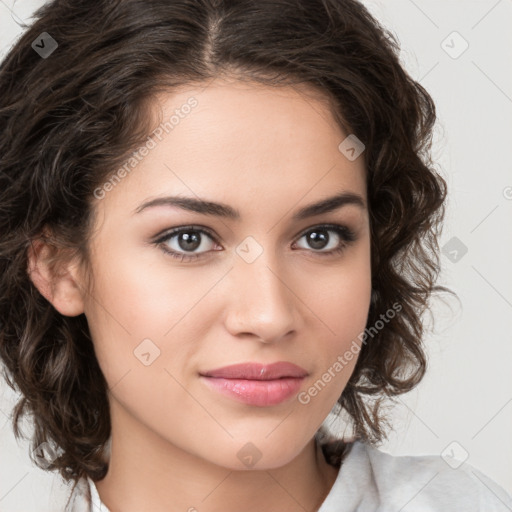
(258, 371)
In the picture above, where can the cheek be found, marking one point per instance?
(341, 299)
(143, 343)
(348, 311)
(342, 304)
(139, 294)
(143, 320)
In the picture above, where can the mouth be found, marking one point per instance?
(256, 384)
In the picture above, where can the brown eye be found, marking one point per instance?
(181, 243)
(328, 239)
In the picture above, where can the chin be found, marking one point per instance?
(259, 455)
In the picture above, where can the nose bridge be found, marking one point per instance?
(261, 302)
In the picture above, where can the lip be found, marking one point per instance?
(256, 384)
(257, 371)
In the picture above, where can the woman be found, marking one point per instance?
(219, 223)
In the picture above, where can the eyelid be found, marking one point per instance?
(166, 233)
(328, 226)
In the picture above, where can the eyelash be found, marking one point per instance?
(346, 234)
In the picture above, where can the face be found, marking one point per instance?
(179, 292)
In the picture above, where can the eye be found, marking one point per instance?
(324, 244)
(185, 239)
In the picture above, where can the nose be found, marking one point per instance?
(262, 302)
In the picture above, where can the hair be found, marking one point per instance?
(68, 120)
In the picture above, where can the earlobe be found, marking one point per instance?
(57, 282)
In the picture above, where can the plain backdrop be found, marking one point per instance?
(461, 52)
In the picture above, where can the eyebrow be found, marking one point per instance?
(223, 210)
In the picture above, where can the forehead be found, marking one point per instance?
(232, 140)
(223, 107)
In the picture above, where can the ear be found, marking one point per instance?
(56, 279)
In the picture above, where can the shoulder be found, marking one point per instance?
(84, 497)
(429, 481)
(80, 497)
(417, 483)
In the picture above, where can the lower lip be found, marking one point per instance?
(256, 392)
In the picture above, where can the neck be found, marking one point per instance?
(146, 472)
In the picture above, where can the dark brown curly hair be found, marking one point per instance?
(68, 119)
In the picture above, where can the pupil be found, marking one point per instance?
(318, 239)
(190, 242)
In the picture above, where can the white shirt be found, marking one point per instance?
(370, 480)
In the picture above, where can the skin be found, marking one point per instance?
(267, 152)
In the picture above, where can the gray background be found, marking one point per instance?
(463, 407)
